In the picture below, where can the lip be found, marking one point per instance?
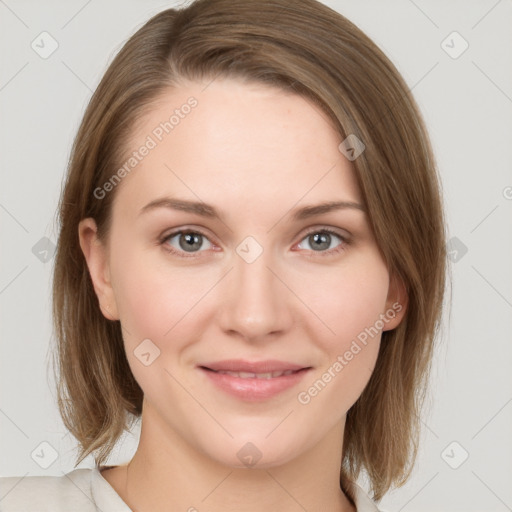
(253, 389)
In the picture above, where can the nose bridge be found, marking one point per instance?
(255, 303)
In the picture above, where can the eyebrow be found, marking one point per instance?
(206, 210)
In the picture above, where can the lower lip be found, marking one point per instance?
(253, 389)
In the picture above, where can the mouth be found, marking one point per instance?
(253, 381)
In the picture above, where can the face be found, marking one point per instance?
(259, 283)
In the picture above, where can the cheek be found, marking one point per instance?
(146, 308)
(157, 306)
(357, 301)
(349, 300)
(152, 306)
(156, 300)
(352, 310)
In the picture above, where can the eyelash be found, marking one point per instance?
(340, 248)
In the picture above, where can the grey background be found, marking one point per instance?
(467, 103)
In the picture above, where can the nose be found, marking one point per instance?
(255, 300)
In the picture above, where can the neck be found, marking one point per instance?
(167, 473)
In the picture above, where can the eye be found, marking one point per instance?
(321, 239)
(184, 241)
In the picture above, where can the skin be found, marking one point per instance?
(255, 153)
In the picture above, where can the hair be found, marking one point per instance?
(305, 48)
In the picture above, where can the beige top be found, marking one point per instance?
(85, 490)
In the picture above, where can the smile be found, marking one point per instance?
(251, 386)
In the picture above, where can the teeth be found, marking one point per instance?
(249, 375)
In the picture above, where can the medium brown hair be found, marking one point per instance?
(308, 49)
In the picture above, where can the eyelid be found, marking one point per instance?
(342, 233)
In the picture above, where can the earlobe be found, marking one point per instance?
(96, 257)
(396, 303)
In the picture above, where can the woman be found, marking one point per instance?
(251, 260)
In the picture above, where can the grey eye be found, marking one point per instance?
(320, 240)
(188, 241)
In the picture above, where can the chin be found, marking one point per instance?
(256, 452)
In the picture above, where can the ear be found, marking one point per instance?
(396, 303)
(96, 256)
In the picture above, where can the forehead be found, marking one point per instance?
(229, 142)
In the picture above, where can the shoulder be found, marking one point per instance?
(362, 501)
(71, 491)
(81, 490)
(85, 490)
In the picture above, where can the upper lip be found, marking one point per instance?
(240, 365)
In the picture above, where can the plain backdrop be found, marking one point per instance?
(465, 459)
